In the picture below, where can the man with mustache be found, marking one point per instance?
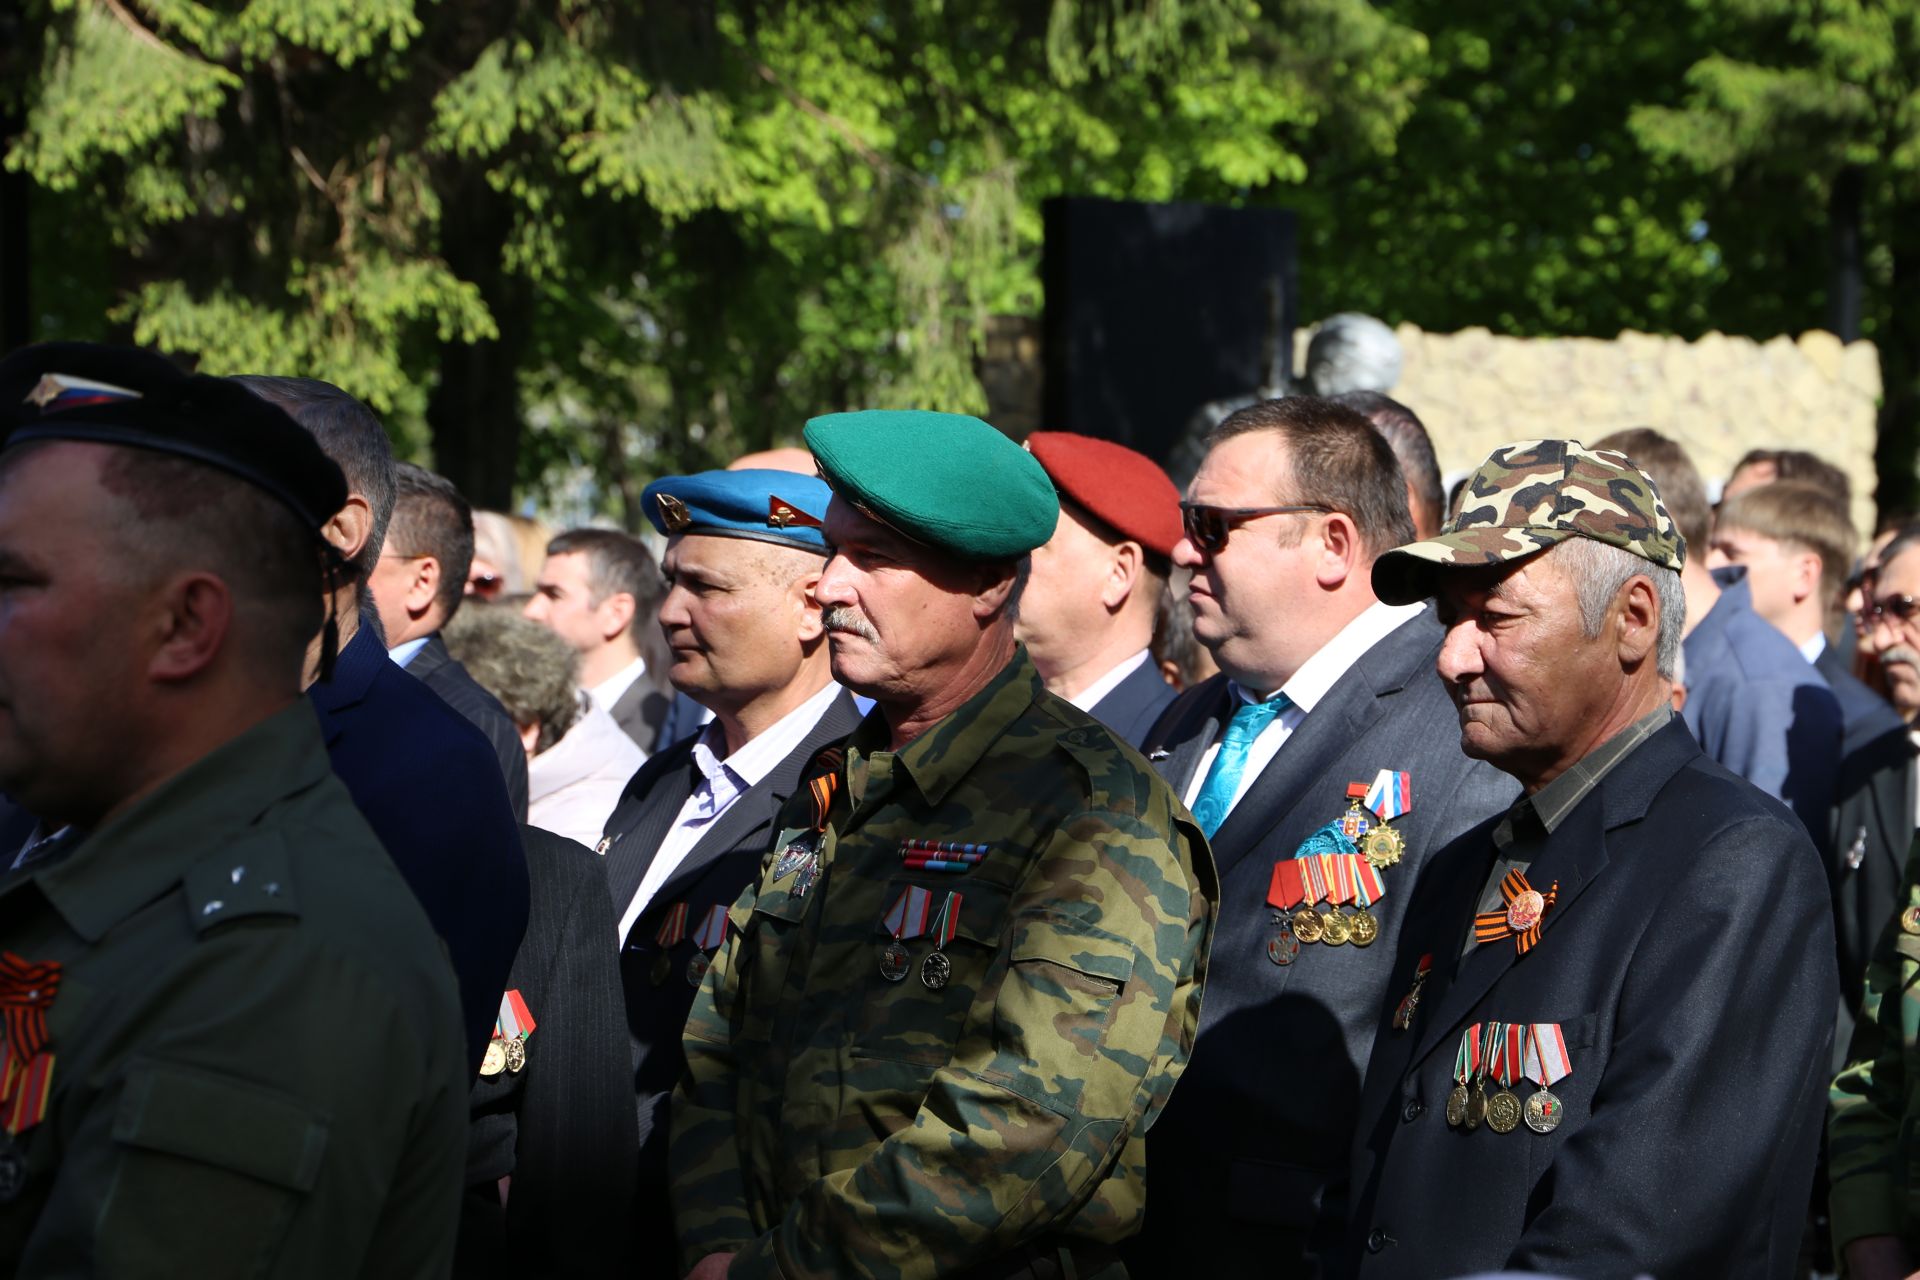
(744, 550)
(1325, 690)
(1641, 948)
(966, 979)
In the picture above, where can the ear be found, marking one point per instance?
(616, 614)
(195, 615)
(529, 737)
(424, 586)
(1639, 624)
(1123, 575)
(1339, 551)
(992, 596)
(350, 527)
(801, 598)
(1170, 672)
(1806, 575)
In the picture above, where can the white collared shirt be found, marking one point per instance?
(615, 686)
(407, 651)
(1089, 697)
(1309, 685)
(574, 784)
(1814, 647)
(723, 780)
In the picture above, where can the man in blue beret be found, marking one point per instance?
(966, 978)
(744, 550)
(232, 1042)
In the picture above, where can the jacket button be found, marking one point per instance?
(1378, 1239)
(1412, 1111)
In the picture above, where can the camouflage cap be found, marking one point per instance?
(1529, 496)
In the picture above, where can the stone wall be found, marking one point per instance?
(1719, 396)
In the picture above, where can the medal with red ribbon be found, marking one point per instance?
(1526, 908)
(1466, 1073)
(26, 1064)
(1403, 1016)
(706, 940)
(1307, 879)
(673, 927)
(937, 968)
(1504, 1044)
(1547, 1063)
(905, 920)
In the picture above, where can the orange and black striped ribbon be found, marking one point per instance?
(1491, 926)
(824, 783)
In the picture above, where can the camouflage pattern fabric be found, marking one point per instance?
(1529, 496)
(836, 1124)
(1876, 1100)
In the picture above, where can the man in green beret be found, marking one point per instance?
(969, 972)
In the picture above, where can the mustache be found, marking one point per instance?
(1899, 653)
(841, 617)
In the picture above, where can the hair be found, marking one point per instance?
(1674, 478)
(1906, 540)
(1806, 468)
(1173, 631)
(1599, 570)
(182, 515)
(1803, 515)
(1352, 352)
(430, 518)
(1155, 564)
(1412, 446)
(534, 673)
(350, 434)
(1337, 459)
(616, 562)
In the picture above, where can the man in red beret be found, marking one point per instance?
(1088, 613)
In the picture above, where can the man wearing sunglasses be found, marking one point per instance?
(1323, 689)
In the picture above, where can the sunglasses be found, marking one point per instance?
(1900, 607)
(1207, 527)
(487, 586)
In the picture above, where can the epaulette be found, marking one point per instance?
(249, 877)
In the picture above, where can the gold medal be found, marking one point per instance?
(662, 966)
(1457, 1106)
(697, 968)
(496, 1059)
(1503, 1112)
(1364, 928)
(1476, 1106)
(1543, 1112)
(1307, 925)
(1336, 927)
(1910, 920)
(516, 1055)
(1383, 846)
(895, 961)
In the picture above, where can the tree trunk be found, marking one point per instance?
(1894, 451)
(1845, 274)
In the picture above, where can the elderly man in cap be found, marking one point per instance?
(1611, 1052)
(967, 977)
(1324, 769)
(1088, 612)
(232, 1042)
(744, 550)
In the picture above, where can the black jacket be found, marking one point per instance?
(434, 667)
(1688, 960)
(1132, 706)
(1247, 1166)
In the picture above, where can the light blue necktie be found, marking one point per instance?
(1223, 779)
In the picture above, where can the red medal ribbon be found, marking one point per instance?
(1526, 908)
(673, 928)
(26, 1078)
(1286, 890)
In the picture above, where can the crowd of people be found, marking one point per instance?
(946, 857)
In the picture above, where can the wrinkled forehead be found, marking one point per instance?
(1527, 579)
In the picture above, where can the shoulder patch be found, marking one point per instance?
(249, 877)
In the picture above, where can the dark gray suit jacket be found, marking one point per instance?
(722, 863)
(441, 672)
(642, 712)
(1246, 1168)
(1132, 706)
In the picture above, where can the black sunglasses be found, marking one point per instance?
(1207, 527)
(1901, 607)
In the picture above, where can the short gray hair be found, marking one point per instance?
(1599, 570)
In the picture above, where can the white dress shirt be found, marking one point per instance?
(573, 785)
(407, 651)
(723, 780)
(615, 686)
(1089, 697)
(1814, 647)
(1309, 685)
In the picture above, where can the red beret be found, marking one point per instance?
(1124, 490)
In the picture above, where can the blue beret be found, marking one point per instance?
(767, 506)
(944, 480)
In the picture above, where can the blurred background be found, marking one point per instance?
(564, 246)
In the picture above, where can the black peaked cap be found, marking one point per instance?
(95, 393)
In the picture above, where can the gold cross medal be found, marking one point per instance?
(1390, 796)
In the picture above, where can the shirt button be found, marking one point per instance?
(1378, 1239)
(1412, 1111)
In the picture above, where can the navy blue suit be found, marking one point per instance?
(429, 785)
(1132, 706)
(1246, 1168)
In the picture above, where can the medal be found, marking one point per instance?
(511, 1027)
(1522, 916)
(1477, 1090)
(1282, 948)
(1390, 796)
(706, 940)
(1307, 925)
(1910, 920)
(1383, 846)
(1354, 823)
(1546, 1060)
(1364, 928)
(516, 1056)
(1466, 1057)
(1367, 888)
(672, 928)
(937, 968)
(895, 961)
(1335, 928)
(495, 1060)
(697, 968)
(801, 857)
(1503, 1108)
(1403, 1016)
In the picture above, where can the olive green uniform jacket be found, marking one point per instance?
(259, 1067)
(834, 1123)
(1873, 1147)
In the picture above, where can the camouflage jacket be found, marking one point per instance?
(834, 1123)
(1871, 1144)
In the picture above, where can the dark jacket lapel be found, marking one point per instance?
(353, 675)
(1186, 729)
(643, 818)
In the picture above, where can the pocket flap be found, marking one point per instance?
(217, 1120)
(1075, 944)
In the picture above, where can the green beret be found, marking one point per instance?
(945, 480)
